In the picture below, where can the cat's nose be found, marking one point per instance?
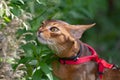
(40, 31)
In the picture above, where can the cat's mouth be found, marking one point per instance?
(42, 40)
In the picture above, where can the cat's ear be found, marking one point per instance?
(77, 30)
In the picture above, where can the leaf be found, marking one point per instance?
(21, 1)
(45, 68)
(33, 62)
(41, 2)
(25, 25)
(37, 74)
(6, 19)
(1, 10)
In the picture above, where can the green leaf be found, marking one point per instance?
(6, 19)
(37, 74)
(21, 1)
(45, 68)
(33, 62)
(40, 2)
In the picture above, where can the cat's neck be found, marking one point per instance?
(72, 50)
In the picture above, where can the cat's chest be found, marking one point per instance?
(75, 72)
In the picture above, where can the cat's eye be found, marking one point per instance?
(54, 29)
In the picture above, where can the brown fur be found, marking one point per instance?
(63, 38)
(111, 74)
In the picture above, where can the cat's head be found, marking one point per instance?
(56, 32)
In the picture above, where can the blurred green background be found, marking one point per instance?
(104, 37)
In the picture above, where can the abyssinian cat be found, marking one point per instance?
(63, 38)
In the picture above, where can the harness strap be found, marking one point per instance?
(102, 64)
(80, 60)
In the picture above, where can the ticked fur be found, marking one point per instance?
(61, 36)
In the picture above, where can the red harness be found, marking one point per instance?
(102, 64)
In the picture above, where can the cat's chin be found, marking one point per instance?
(42, 40)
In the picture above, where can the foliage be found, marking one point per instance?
(27, 15)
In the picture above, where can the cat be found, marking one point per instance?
(63, 38)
